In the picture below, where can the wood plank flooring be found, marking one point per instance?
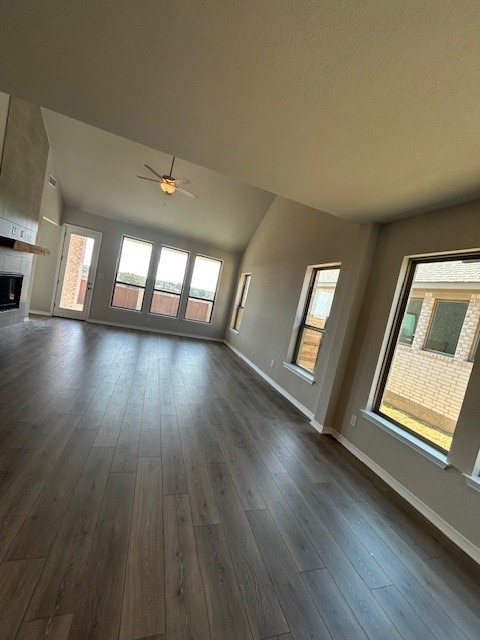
(155, 488)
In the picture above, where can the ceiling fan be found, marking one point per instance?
(168, 184)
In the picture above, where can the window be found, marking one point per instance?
(420, 389)
(317, 309)
(169, 282)
(445, 326)
(203, 288)
(132, 272)
(239, 309)
(410, 321)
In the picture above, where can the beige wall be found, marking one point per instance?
(4, 102)
(443, 491)
(49, 236)
(292, 237)
(289, 239)
(113, 232)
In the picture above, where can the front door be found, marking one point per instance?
(76, 277)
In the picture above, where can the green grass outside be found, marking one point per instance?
(428, 431)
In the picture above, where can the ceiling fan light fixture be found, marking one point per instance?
(167, 187)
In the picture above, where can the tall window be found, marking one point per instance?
(169, 282)
(315, 316)
(203, 288)
(446, 325)
(422, 389)
(410, 321)
(131, 278)
(240, 307)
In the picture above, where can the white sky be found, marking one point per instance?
(205, 274)
(87, 256)
(136, 259)
(172, 265)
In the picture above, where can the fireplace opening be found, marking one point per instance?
(10, 290)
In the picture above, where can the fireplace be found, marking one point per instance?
(10, 290)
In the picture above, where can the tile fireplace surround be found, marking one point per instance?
(22, 177)
(10, 290)
(14, 262)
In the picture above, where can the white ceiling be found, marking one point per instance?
(367, 110)
(97, 172)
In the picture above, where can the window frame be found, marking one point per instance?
(303, 325)
(394, 333)
(213, 301)
(475, 346)
(181, 294)
(244, 278)
(116, 281)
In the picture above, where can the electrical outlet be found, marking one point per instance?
(353, 421)
(14, 231)
(272, 364)
(22, 233)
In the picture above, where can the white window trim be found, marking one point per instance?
(472, 481)
(300, 313)
(430, 452)
(418, 445)
(238, 299)
(302, 373)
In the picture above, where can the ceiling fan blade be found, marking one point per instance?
(179, 181)
(153, 171)
(187, 193)
(150, 179)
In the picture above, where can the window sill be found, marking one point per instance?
(301, 373)
(472, 481)
(429, 452)
(152, 314)
(125, 309)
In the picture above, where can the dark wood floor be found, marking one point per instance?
(154, 487)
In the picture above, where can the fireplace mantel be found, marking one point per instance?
(20, 245)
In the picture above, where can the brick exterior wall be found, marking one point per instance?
(431, 386)
(73, 272)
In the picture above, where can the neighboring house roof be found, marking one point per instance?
(451, 271)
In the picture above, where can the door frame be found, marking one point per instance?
(56, 309)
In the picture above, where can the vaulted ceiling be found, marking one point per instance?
(97, 173)
(367, 110)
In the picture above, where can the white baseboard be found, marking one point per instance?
(39, 313)
(442, 525)
(272, 383)
(152, 330)
(319, 427)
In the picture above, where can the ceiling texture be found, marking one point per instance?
(97, 173)
(366, 110)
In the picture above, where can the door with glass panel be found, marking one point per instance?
(76, 277)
